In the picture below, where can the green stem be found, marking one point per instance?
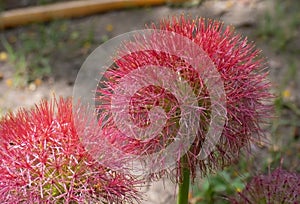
(183, 193)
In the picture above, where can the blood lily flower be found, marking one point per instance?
(43, 161)
(241, 69)
(280, 186)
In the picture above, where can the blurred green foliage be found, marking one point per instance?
(280, 26)
(216, 188)
(37, 46)
(30, 54)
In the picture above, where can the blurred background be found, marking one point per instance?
(39, 59)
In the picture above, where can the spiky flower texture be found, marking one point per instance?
(280, 186)
(43, 161)
(242, 71)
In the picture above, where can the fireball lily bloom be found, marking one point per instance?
(242, 71)
(43, 161)
(241, 68)
(280, 186)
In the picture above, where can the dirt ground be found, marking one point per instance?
(65, 62)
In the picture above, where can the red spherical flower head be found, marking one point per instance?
(241, 71)
(280, 186)
(42, 160)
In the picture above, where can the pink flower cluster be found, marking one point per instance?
(43, 161)
(280, 186)
(241, 68)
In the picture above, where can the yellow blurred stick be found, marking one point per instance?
(23, 16)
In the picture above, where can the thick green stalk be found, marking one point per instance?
(183, 193)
